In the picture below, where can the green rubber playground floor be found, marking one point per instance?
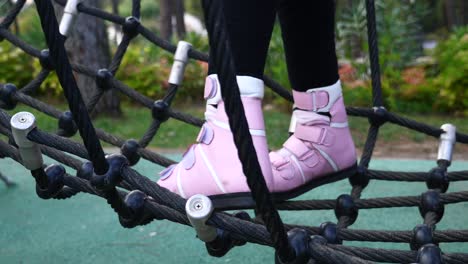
(84, 229)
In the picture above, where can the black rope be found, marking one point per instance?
(374, 53)
(221, 53)
(10, 17)
(58, 55)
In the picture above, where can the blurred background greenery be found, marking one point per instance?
(423, 53)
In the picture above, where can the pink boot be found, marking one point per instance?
(321, 149)
(212, 167)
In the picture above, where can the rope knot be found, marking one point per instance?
(438, 179)
(130, 27)
(299, 240)
(7, 101)
(431, 203)
(345, 207)
(66, 124)
(130, 150)
(55, 175)
(379, 117)
(103, 77)
(135, 202)
(422, 235)
(329, 231)
(113, 176)
(430, 254)
(224, 240)
(360, 178)
(160, 110)
(45, 61)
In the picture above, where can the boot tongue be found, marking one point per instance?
(309, 118)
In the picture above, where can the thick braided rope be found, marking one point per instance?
(221, 52)
(374, 54)
(58, 55)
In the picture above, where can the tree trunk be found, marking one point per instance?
(115, 11)
(88, 45)
(166, 10)
(179, 15)
(450, 14)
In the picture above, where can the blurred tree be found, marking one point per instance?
(88, 45)
(455, 13)
(115, 11)
(172, 14)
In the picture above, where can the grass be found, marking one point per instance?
(177, 135)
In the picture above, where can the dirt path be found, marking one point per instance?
(399, 150)
(415, 150)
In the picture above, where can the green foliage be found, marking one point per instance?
(359, 96)
(399, 30)
(16, 66)
(146, 68)
(30, 28)
(452, 77)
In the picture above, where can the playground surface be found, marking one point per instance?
(84, 229)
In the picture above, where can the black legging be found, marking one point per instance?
(307, 26)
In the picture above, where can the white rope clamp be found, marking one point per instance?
(199, 209)
(21, 124)
(69, 16)
(180, 61)
(447, 142)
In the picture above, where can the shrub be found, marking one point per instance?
(146, 69)
(16, 65)
(452, 72)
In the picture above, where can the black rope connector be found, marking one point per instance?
(45, 61)
(103, 77)
(86, 171)
(55, 175)
(299, 240)
(66, 124)
(316, 239)
(135, 202)
(113, 175)
(130, 27)
(160, 110)
(224, 241)
(345, 207)
(130, 150)
(429, 254)
(379, 117)
(360, 178)
(329, 231)
(6, 96)
(430, 202)
(422, 235)
(438, 179)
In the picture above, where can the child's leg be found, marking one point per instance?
(249, 26)
(310, 63)
(211, 167)
(321, 147)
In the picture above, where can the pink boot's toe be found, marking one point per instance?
(321, 150)
(211, 166)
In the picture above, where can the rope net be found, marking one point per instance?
(137, 200)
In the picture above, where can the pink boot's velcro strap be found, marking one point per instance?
(211, 88)
(315, 134)
(206, 135)
(311, 101)
(297, 147)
